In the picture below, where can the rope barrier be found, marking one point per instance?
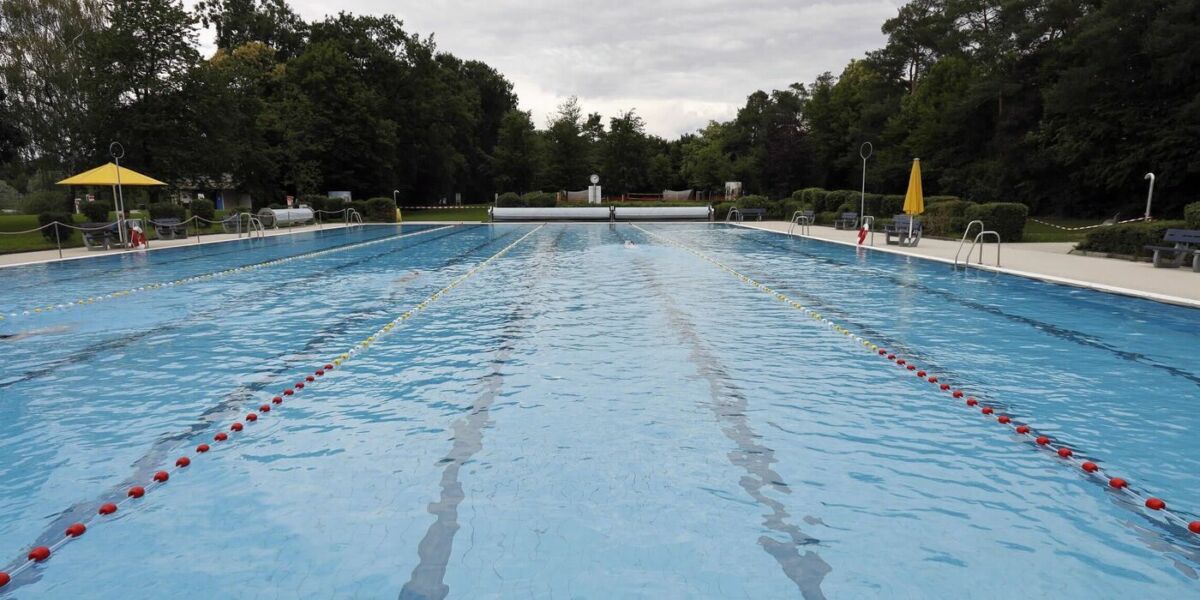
(1086, 226)
(207, 276)
(160, 478)
(1064, 452)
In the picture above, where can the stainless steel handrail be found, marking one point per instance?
(733, 212)
(964, 241)
(801, 219)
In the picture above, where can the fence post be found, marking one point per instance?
(57, 239)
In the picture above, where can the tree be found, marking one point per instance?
(625, 154)
(239, 22)
(567, 149)
(516, 156)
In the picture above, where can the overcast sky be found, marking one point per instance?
(679, 63)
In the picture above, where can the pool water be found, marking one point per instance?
(597, 412)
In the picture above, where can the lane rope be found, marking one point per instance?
(207, 276)
(1065, 453)
(160, 478)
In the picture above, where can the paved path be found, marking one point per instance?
(1045, 261)
(21, 258)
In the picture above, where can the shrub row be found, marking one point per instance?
(379, 210)
(531, 199)
(1191, 215)
(1006, 218)
(1130, 238)
(96, 212)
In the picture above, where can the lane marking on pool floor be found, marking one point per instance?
(160, 478)
(213, 275)
(1064, 453)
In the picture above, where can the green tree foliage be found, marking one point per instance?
(516, 158)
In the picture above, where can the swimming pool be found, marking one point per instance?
(549, 411)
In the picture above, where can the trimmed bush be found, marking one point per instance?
(1129, 239)
(203, 208)
(360, 206)
(96, 212)
(947, 218)
(721, 209)
(539, 200)
(839, 201)
(64, 232)
(45, 202)
(756, 201)
(939, 199)
(380, 210)
(815, 198)
(166, 210)
(1191, 215)
(1006, 218)
(509, 200)
(891, 205)
(827, 218)
(319, 202)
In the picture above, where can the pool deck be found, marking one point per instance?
(44, 256)
(1045, 261)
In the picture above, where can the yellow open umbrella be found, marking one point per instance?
(914, 199)
(115, 176)
(110, 174)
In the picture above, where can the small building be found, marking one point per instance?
(223, 192)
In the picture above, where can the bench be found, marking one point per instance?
(900, 227)
(848, 220)
(757, 213)
(1187, 245)
(100, 236)
(169, 229)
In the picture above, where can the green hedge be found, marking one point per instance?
(44, 202)
(166, 210)
(721, 209)
(64, 232)
(1191, 215)
(1006, 218)
(380, 210)
(947, 218)
(509, 200)
(1129, 239)
(319, 202)
(96, 212)
(538, 199)
(203, 208)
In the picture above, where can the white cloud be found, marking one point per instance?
(679, 63)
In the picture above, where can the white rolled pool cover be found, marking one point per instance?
(603, 213)
(285, 216)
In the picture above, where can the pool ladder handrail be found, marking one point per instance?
(800, 219)
(253, 225)
(983, 233)
(733, 212)
(352, 217)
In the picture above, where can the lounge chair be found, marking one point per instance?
(899, 228)
(100, 236)
(169, 229)
(848, 220)
(1187, 245)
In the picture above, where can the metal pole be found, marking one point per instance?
(57, 239)
(865, 151)
(1150, 195)
(117, 154)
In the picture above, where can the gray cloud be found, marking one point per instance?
(678, 63)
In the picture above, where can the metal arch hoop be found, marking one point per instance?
(866, 150)
(116, 150)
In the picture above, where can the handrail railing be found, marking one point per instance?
(803, 221)
(964, 240)
(982, 235)
(352, 217)
(733, 212)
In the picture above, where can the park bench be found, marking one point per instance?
(848, 220)
(169, 229)
(1187, 245)
(757, 213)
(899, 228)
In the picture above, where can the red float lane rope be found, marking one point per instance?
(160, 478)
(1066, 454)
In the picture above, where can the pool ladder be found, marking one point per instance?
(979, 237)
(253, 225)
(733, 215)
(352, 217)
(801, 220)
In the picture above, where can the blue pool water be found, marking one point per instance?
(581, 418)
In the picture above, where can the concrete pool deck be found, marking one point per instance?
(44, 256)
(1045, 261)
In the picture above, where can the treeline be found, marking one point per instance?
(1062, 105)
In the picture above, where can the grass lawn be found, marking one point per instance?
(448, 214)
(1036, 232)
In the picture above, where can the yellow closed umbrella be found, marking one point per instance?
(115, 176)
(914, 199)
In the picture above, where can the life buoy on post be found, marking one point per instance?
(137, 238)
(862, 233)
